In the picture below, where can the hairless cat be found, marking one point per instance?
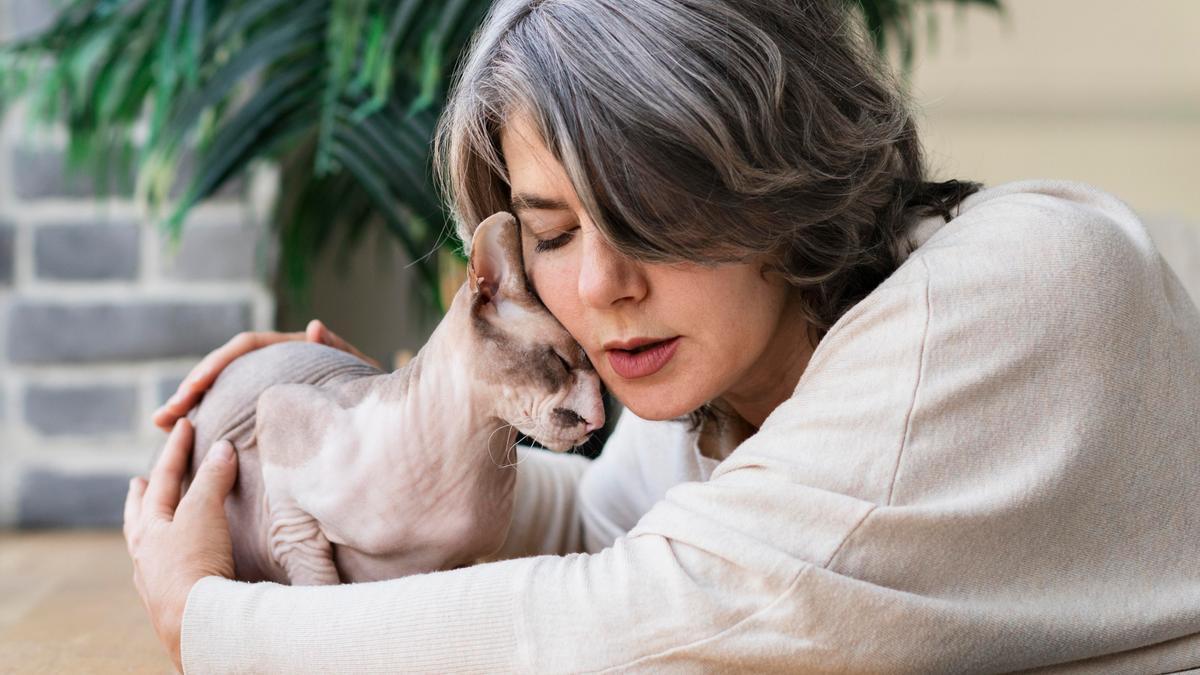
(347, 473)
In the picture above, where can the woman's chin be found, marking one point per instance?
(649, 406)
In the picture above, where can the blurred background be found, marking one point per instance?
(102, 312)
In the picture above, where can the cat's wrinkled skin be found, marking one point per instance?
(347, 473)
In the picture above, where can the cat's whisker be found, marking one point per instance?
(488, 445)
(511, 449)
(528, 421)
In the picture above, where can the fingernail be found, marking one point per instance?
(178, 424)
(222, 450)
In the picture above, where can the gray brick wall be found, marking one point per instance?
(55, 499)
(101, 317)
(90, 409)
(45, 332)
(6, 254)
(87, 252)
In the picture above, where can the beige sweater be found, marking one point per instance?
(992, 463)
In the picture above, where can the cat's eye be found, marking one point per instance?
(565, 364)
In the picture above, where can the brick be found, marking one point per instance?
(93, 409)
(86, 252)
(51, 332)
(41, 173)
(7, 235)
(50, 498)
(218, 251)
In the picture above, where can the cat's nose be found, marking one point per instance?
(595, 418)
(570, 418)
(567, 417)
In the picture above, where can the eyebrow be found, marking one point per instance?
(524, 202)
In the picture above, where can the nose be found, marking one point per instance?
(595, 418)
(606, 276)
(567, 417)
(570, 418)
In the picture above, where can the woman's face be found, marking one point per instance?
(725, 318)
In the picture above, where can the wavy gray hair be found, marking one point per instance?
(703, 130)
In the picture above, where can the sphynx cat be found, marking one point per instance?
(348, 474)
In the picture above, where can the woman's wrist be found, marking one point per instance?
(176, 647)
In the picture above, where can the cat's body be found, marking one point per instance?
(347, 473)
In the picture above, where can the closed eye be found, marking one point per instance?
(544, 245)
(566, 365)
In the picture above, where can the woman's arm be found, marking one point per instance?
(643, 596)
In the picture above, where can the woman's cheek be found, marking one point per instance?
(554, 285)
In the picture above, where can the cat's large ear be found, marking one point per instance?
(495, 267)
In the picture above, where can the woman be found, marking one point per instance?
(889, 425)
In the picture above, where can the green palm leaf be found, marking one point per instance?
(893, 21)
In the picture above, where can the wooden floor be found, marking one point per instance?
(68, 605)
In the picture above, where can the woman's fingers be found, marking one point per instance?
(214, 479)
(319, 332)
(170, 554)
(133, 509)
(162, 495)
(316, 331)
(204, 373)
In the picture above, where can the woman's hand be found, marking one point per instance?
(176, 543)
(205, 373)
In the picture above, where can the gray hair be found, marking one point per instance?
(703, 130)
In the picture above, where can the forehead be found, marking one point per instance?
(532, 168)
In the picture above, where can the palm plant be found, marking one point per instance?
(342, 95)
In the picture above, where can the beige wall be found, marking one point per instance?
(1102, 91)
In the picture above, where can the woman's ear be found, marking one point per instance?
(495, 267)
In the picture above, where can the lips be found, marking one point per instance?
(632, 343)
(640, 357)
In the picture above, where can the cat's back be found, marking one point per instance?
(227, 411)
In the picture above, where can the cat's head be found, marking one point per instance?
(545, 385)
